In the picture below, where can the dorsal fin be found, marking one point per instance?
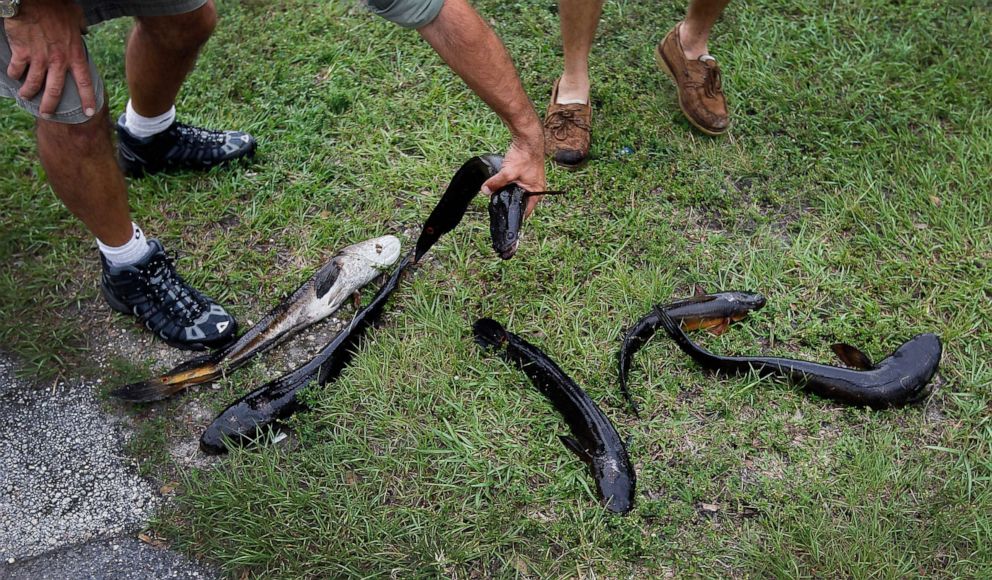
(852, 357)
(533, 193)
(575, 447)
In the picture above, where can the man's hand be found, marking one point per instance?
(523, 164)
(46, 41)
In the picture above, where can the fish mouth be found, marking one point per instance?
(509, 251)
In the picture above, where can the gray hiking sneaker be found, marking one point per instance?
(152, 291)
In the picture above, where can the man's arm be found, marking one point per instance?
(476, 54)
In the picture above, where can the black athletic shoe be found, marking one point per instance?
(165, 304)
(180, 147)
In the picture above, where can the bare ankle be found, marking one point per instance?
(575, 90)
(694, 40)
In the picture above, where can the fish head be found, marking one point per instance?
(742, 302)
(493, 161)
(379, 253)
(615, 481)
(506, 216)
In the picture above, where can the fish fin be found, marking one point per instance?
(575, 447)
(356, 298)
(165, 386)
(720, 328)
(325, 278)
(533, 193)
(698, 290)
(852, 357)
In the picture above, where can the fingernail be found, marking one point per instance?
(89, 112)
(486, 190)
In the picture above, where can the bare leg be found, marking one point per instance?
(579, 19)
(160, 54)
(81, 167)
(699, 20)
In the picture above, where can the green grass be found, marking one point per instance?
(853, 191)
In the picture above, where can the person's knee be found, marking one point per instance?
(182, 32)
(76, 138)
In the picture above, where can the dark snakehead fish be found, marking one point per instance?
(506, 207)
(462, 189)
(711, 312)
(317, 298)
(506, 217)
(244, 419)
(594, 438)
(899, 379)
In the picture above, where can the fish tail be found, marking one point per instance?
(193, 372)
(489, 333)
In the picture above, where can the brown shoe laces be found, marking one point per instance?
(712, 83)
(560, 121)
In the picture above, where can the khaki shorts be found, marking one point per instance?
(70, 109)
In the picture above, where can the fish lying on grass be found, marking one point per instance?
(506, 217)
(506, 207)
(243, 420)
(712, 312)
(595, 440)
(319, 297)
(899, 379)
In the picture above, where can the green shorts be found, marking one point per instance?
(70, 109)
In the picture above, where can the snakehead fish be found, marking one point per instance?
(712, 312)
(594, 438)
(241, 422)
(320, 296)
(506, 217)
(506, 207)
(898, 379)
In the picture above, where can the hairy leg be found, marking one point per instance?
(161, 52)
(579, 19)
(699, 20)
(82, 170)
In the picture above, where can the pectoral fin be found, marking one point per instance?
(575, 447)
(325, 278)
(720, 327)
(852, 357)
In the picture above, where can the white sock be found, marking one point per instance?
(571, 102)
(130, 253)
(143, 127)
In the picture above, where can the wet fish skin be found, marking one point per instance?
(897, 380)
(324, 293)
(506, 216)
(462, 189)
(594, 438)
(713, 312)
(242, 421)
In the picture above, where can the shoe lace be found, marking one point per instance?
(167, 289)
(712, 82)
(199, 137)
(561, 121)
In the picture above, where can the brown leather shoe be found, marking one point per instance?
(698, 83)
(567, 132)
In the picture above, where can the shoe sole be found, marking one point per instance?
(144, 170)
(118, 306)
(659, 57)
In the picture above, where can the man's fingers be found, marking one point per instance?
(34, 81)
(87, 94)
(54, 85)
(17, 66)
(496, 182)
(532, 202)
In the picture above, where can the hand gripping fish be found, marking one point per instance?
(899, 379)
(319, 297)
(506, 207)
(594, 438)
(712, 312)
(242, 421)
